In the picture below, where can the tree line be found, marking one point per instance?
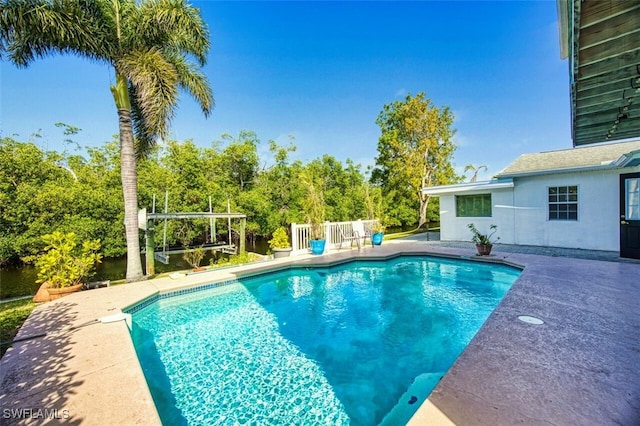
(43, 191)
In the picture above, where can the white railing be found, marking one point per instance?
(300, 235)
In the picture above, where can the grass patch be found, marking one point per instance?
(238, 259)
(12, 316)
(397, 235)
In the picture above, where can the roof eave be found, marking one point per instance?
(468, 187)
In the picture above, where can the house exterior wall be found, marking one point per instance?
(521, 213)
(454, 228)
(598, 224)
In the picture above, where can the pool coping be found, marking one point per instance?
(251, 271)
(73, 373)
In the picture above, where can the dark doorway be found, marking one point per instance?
(630, 215)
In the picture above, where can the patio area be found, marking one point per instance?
(582, 366)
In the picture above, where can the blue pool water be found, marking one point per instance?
(363, 343)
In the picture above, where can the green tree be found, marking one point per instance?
(278, 188)
(27, 208)
(94, 209)
(415, 150)
(240, 159)
(38, 195)
(148, 43)
(343, 188)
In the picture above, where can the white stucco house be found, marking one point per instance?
(586, 197)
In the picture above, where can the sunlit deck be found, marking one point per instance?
(582, 366)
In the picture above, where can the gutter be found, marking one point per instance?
(468, 187)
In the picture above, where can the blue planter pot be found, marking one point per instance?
(317, 246)
(376, 239)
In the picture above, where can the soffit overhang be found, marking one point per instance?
(601, 39)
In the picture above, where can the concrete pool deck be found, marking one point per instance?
(581, 367)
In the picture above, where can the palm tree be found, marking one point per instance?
(475, 171)
(150, 44)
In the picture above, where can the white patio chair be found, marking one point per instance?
(357, 234)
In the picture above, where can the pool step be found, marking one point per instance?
(411, 400)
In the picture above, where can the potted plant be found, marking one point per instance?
(377, 233)
(483, 242)
(373, 197)
(65, 266)
(315, 214)
(279, 243)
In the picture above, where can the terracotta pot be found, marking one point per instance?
(47, 294)
(484, 249)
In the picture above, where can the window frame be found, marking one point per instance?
(472, 196)
(566, 203)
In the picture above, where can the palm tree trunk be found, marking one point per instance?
(129, 178)
(130, 192)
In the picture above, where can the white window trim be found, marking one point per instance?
(577, 202)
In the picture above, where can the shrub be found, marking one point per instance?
(64, 263)
(194, 257)
(279, 239)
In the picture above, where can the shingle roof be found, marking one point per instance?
(567, 159)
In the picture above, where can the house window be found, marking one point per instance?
(563, 203)
(473, 205)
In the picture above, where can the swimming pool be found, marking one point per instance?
(363, 343)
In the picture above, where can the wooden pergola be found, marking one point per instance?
(601, 39)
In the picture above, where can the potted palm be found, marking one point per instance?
(315, 215)
(377, 233)
(374, 212)
(279, 243)
(484, 242)
(65, 266)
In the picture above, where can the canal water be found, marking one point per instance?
(21, 281)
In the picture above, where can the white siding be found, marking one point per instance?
(598, 224)
(522, 218)
(454, 228)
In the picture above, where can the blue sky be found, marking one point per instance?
(322, 72)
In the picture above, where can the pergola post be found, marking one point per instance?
(150, 248)
(243, 225)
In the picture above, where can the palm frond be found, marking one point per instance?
(37, 28)
(193, 80)
(175, 25)
(126, 15)
(145, 139)
(156, 87)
